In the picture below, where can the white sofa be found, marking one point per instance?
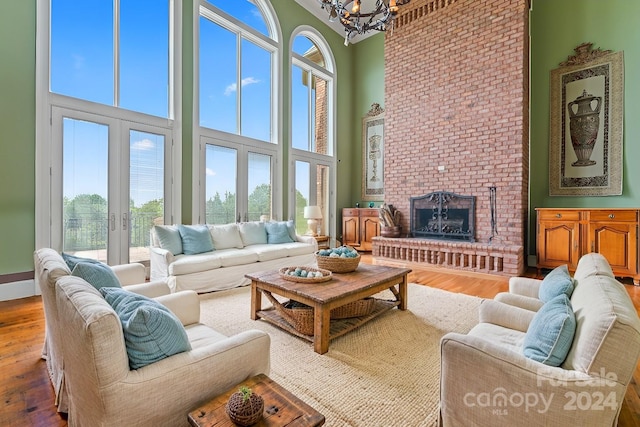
(239, 248)
(486, 379)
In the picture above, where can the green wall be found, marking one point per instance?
(17, 135)
(368, 87)
(557, 27)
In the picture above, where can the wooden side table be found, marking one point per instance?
(281, 408)
(323, 242)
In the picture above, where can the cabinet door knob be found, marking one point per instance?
(611, 216)
(558, 215)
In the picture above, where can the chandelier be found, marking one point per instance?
(378, 15)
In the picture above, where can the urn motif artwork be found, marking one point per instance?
(584, 123)
(586, 111)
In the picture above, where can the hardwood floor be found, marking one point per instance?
(27, 394)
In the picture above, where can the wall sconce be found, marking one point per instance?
(312, 214)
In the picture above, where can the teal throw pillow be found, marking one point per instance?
(557, 282)
(291, 226)
(99, 275)
(196, 239)
(151, 331)
(253, 233)
(277, 232)
(169, 238)
(550, 334)
(72, 260)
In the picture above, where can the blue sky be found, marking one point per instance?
(82, 66)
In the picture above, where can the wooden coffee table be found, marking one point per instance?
(342, 289)
(281, 408)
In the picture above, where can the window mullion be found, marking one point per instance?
(310, 111)
(239, 83)
(116, 53)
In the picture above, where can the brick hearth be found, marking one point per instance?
(456, 119)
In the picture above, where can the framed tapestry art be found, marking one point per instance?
(586, 113)
(373, 154)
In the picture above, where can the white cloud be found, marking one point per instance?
(245, 82)
(145, 144)
(230, 89)
(210, 172)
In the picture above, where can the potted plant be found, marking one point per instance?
(245, 407)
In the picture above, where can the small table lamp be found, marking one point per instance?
(312, 214)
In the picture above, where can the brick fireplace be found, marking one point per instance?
(456, 119)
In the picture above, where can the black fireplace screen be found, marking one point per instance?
(443, 215)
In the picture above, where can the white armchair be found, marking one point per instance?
(487, 380)
(50, 266)
(104, 391)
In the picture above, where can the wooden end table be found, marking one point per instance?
(281, 408)
(342, 289)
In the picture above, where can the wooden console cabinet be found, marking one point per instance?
(359, 227)
(564, 235)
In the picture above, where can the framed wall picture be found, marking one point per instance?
(586, 113)
(373, 154)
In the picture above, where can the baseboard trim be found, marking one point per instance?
(17, 290)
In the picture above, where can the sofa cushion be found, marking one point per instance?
(231, 257)
(269, 252)
(253, 233)
(550, 334)
(169, 238)
(226, 236)
(298, 248)
(557, 282)
(99, 275)
(187, 264)
(195, 239)
(151, 331)
(593, 264)
(278, 232)
(608, 325)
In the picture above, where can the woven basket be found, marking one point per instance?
(245, 413)
(326, 275)
(362, 307)
(298, 315)
(337, 264)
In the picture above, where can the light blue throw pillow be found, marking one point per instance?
(151, 331)
(97, 274)
(196, 239)
(253, 233)
(277, 232)
(557, 282)
(291, 226)
(169, 238)
(550, 334)
(72, 260)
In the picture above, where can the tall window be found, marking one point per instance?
(109, 123)
(235, 74)
(312, 130)
(237, 63)
(84, 45)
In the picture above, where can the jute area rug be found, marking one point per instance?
(385, 373)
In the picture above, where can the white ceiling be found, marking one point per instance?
(313, 6)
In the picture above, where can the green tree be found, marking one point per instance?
(260, 202)
(301, 222)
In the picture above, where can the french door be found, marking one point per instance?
(110, 183)
(238, 182)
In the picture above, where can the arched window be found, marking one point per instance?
(312, 129)
(238, 135)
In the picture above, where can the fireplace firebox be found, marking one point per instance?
(443, 215)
